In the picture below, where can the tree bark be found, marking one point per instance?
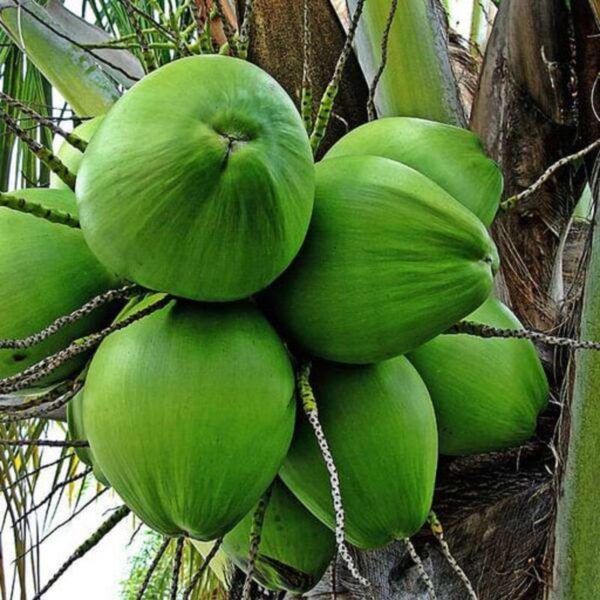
(276, 43)
(525, 114)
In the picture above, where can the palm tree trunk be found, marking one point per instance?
(575, 566)
(276, 46)
(525, 114)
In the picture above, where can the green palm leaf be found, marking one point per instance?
(20, 79)
(417, 80)
(72, 70)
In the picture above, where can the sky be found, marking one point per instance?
(100, 572)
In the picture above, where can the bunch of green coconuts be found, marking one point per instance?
(200, 184)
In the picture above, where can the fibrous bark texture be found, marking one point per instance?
(276, 45)
(526, 115)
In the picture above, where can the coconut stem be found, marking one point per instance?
(438, 531)
(44, 408)
(512, 201)
(487, 331)
(306, 101)
(46, 443)
(92, 541)
(155, 561)
(328, 99)
(49, 364)
(126, 291)
(73, 139)
(176, 568)
(46, 156)
(245, 30)
(148, 58)
(37, 210)
(38, 400)
(421, 569)
(309, 405)
(228, 31)
(198, 575)
(384, 56)
(255, 537)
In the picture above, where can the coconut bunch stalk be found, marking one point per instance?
(232, 143)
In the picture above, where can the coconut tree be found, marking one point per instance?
(524, 81)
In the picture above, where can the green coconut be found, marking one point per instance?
(295, 548)
(452, 157)
(390, 261)
(199, 181)
(70, 156)
(47, 271)
(189, 413)
(380, 425)
(77, 432)
(487, 393)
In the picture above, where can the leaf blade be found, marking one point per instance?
(70, 69)
(418, 79)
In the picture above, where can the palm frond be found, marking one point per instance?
(20, 79)
(76, 73)
(417, 79)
